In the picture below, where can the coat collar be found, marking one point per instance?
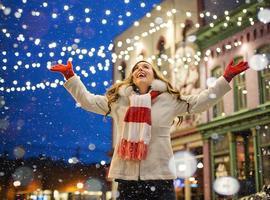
(156, 85)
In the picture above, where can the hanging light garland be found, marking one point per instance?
(73, 50)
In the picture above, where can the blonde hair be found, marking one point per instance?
(113, 95)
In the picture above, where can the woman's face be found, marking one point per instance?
(142, 73)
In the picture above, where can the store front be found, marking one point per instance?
(192, 187)
(240, 148)
(264, 151)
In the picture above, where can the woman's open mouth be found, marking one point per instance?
(141, 75)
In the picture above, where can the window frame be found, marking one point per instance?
(264, 75)
(239, 84)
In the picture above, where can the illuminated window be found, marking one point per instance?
(161, 46)
(245, 163)
(264, 76)
(264, 142)
(240, 91)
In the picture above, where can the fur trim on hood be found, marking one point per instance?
(156, 85)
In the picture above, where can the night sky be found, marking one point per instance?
(38, 116)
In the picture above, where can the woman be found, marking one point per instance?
(144, 106)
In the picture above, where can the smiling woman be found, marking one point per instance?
(142, 160)
(143, 76)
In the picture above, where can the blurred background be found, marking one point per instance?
(52, 149)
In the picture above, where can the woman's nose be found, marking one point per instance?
(140, 68)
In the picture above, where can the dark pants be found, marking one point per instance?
(146, 190)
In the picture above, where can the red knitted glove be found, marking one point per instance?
(231, 70)
(66, 70)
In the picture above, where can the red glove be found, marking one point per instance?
(66, 70)
(231, 70)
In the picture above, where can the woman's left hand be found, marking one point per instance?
(232, 70)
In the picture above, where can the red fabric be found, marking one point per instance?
(129, 150)
(139, 115)
(66, 70)
(154, 94)
(232, 70)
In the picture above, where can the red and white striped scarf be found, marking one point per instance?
(136, 132)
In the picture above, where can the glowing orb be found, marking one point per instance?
(226, 185)
(258, 62)
(93, 184)
(24, 175)
(264, 15)
(158, 20)
(91, 147)
(18, 152)
(184, 164)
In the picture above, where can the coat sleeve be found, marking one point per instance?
(88, 101)
(204, 100)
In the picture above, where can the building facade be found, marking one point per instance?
(236, 134)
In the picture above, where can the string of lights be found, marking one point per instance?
(74, 50)
(188, 14)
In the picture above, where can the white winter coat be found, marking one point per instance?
(163, 111)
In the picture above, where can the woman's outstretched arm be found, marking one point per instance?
(88, 101)
(209, 97)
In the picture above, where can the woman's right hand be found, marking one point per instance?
(66, 70)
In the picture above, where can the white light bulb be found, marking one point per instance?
(66, 7)
(87, 10)
(93, 84)
(104, 21)
(71, 18)
(105, 83)
(54, 15)
(136, 23)
(188, 14)
(120, 22)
